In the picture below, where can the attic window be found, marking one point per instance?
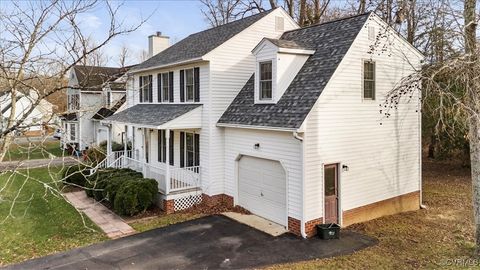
(265, 81)
(371, 33)
(279, 23)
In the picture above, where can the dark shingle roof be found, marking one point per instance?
(152, 114)
(289, 44)
(92, 78)
(69, 116)
(107, 112)
(198, 44)
(331, 42)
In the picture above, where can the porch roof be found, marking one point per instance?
(160, 116)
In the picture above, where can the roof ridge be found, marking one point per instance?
(241, 19)
(327, 22)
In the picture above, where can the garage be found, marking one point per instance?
(262, 188)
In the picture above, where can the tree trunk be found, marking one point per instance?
(303, 13)
(474, 121)
(361, 6)
(474, 136)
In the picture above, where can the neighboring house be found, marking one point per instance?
(93, 93)
(36, 122)
(280, 120)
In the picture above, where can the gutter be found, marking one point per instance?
(189, 61)
(256, 127)
(302, 219)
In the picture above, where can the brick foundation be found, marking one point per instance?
(218, 199)
(168, 206)
(403, 203)
(310, 227)
(294, 226)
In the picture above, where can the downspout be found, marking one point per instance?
(302, 219)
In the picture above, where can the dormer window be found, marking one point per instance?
(265, 81)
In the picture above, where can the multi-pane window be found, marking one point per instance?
(165, 87)
(190, 85)
(368, 80)
(74, 102)
(189, 150)
(265, 80)
(109, 99)
(146, 88)
(189, 91)
(73, 130)
(162, 147)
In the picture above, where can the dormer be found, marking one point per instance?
(277, 63)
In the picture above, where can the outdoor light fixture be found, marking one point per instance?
(345, 168)
(256, 146)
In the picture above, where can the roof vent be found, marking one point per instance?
(279, 24)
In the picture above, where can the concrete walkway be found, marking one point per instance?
(258, 223)
(109, 222)
(37, 163)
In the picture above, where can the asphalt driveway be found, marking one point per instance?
(207, 243)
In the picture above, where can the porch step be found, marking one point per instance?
(197, 189)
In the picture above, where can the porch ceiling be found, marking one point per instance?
(160, 116)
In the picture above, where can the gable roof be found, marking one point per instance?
(104, 112)
(331, 41)
(92, 78)
(288, 44)
(197, 45)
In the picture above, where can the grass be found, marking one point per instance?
(39, 222)
(423, 239)
(163, 220)
(37, 150)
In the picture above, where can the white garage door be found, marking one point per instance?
(262, 188)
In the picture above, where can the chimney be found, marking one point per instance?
(157, 43)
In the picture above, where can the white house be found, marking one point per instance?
(93, 93)
(38, 118)
(280, 120)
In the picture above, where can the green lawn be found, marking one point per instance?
(42, 223)
(164, 220)
(39, 150)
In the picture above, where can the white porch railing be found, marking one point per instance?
(184, 178)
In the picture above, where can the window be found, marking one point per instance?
(265, 80)
(162, 147)
(190, 85)
(74, 102)
(73, 132)
(109, 99)
(146, 88)
(189, 150)
(368, 80)
(165, 87)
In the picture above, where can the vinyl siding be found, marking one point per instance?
(231, 65)
(382, 154)
(274, 145)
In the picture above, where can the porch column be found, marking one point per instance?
(167, 161)
(125, 142)
(144, 167)
(109, 143)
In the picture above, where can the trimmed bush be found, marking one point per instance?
(115, 182)
(75, 175)
(135, 196)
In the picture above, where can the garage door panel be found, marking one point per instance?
(262, 188)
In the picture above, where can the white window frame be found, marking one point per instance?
(364, 61)
(72, 138)
(185, 85)
(145, 98)
(260, 63)
(165, 86)
(185, 151)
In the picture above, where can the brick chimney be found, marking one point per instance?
(157, 43)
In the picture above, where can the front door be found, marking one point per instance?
(331, 193)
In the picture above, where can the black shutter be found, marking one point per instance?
(171, 148)
(164, 146)
(182, 149)
(196, 82)
(150, 89)
(140, 84)
(159, 146)
(170, 86)
(182, 86)
(197, 149)
(159, 87)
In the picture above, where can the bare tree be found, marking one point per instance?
(42, 41)
(123, 56)
(456, 84)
